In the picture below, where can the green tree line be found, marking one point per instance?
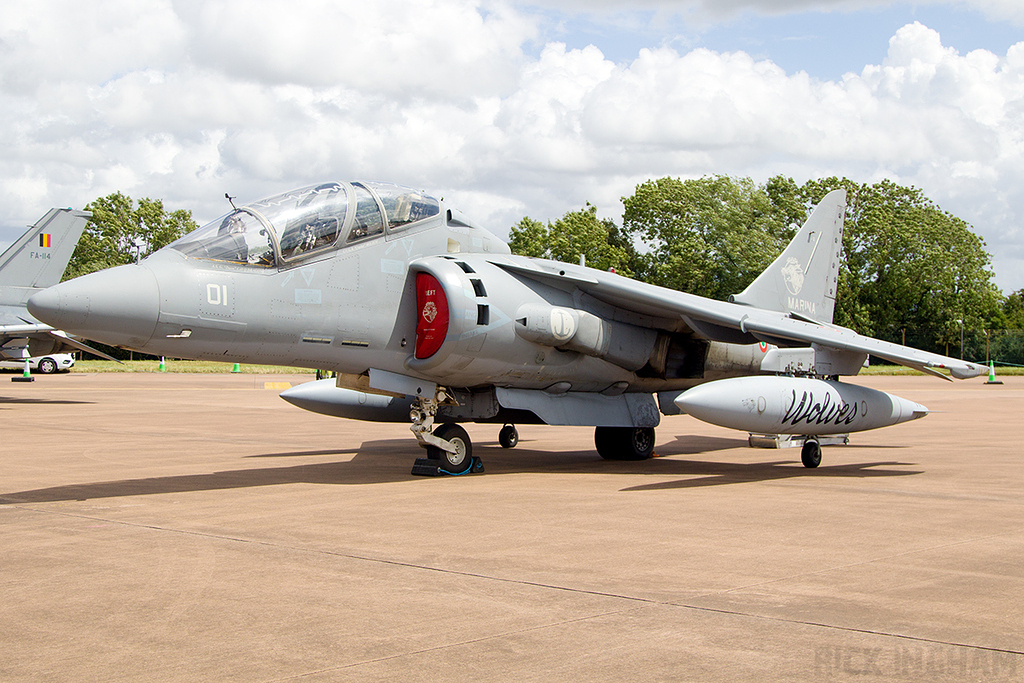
(910, 273)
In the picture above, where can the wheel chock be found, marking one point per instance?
(428, 467)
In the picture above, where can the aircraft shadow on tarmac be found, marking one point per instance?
(46, 401)
(698, 473)
(387, 461)
(704, 473)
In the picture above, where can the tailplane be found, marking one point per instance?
(38, 259)
(802, 281)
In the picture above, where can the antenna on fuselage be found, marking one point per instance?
(231, 200)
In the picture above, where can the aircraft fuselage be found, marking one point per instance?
(352, 309)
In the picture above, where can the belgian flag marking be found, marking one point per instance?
(44, 240)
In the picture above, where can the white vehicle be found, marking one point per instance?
(47, 365)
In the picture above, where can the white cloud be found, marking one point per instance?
(187, 100)
(719, 10)
(405, 48)
(52, 40)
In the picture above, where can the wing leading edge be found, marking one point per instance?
(721, 320)
(783, 306)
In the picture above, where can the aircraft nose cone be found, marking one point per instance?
(45, 306)
(119, 306)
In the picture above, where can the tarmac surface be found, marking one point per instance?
(198, 528)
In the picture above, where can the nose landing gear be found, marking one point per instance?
(449, 449)
(460, 459)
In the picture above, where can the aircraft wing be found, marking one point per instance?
(39, 330)
(67, 340)
(725, 321)
(22, 330)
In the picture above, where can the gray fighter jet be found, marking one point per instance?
(34, 262)
(426, 316)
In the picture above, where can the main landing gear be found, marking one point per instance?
(450, 451)
(624, 443)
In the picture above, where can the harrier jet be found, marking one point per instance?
(425, 316)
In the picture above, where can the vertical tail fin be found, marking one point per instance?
(38, 259)
(804, 278)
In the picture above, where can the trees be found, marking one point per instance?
(710, 236)
(529, 238)
(577, 233)
(908, 266)
(909, 270)
(119, 231)
(1007, 339)
(1013, 311)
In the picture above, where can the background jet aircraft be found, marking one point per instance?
(34, 262)
(427, 317)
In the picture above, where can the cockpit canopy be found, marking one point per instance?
(292, 225)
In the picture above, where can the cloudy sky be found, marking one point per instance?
(507, 108)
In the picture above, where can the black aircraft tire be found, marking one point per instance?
(810, 454)
(508, 437)
(607, 441)
(624, 443)
(453, 463)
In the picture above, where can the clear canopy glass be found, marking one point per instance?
(306, 219)
(309, 220)
(238, 237)
(404, 205)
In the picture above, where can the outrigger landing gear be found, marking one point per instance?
(810, 454)
(449, 449)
